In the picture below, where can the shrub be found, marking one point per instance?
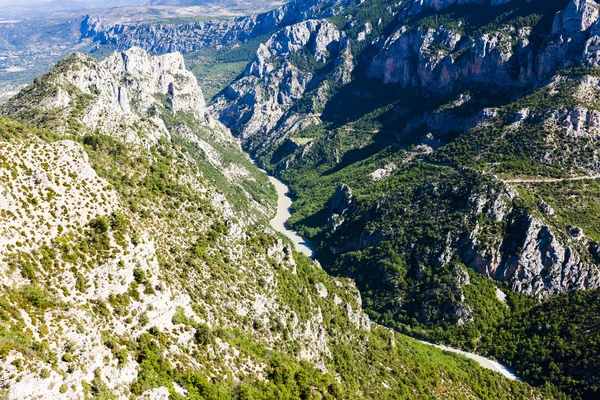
(203, 335)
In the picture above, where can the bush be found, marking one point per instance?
(203, 335)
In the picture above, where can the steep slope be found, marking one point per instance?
(128, 270)
(141, 100)
(431, 140)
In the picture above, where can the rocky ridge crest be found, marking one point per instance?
(119, 96)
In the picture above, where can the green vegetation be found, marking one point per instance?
(379, 354)
(14, 334)
(361, 358)
(399, 221)
(306, 61)
(555, 341)
(217, 68)
(394, 242)
(229, 154)
(397, 229)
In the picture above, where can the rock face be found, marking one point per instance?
(419, 6)
(261, 99)
(544, 265)
(112, 95)
(579, 16)
(341, 199)
(439, 59)
(190, 37)
(532, 258)
(485, 57)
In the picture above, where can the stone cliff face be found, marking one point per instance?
(112, 96)
(436, 69)
(190, 37)
(546, 265)
(443, 60)
(261, 99)
(533, 256)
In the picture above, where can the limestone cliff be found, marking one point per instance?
(120, 96)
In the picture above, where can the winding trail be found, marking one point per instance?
(544, 180)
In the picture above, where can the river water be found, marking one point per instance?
(482, 361)
(284, 203)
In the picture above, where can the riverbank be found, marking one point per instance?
(279, 223)
(482, 361)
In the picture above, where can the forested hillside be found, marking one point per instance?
(439, 152)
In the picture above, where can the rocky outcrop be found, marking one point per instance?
(545, 208)
(382, 173)
(433, 60)
(339, 204)
(121, 96)
(531, 257)
(259, 102)
(443, 122)
(341, 199)
(541, 264)
(578, 17)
